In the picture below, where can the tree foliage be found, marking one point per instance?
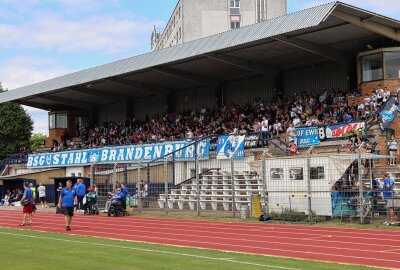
(37, 141)
(16, 128)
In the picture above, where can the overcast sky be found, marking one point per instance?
(43, 39)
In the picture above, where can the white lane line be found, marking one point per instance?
(153, 251)
(156, 239)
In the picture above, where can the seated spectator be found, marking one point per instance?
(348, 118)
(291, 132)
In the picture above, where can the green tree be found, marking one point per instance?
(37, 141)
(16, 128)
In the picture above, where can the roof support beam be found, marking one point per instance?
(144, 88)
(99, 94)
(187, 76)
(244, 64)
(69, 102)
(324, 51)
(377, 28)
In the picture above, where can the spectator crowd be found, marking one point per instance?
(278, 116)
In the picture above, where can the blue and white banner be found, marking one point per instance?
(122, 154)
(230, 145)
(307, 136)
(388, 114)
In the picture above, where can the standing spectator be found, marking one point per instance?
(80, 193)
(42, 195)
(67, 200)
(28, 209)
(388, 193)
(124, 190)
(33, 192)
(59, 188)
(393, 149)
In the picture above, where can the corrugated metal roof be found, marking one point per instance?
(295, 22)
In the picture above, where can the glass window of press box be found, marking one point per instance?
(380, 65)
(58, 120)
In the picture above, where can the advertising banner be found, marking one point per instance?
(122, 154)
(307, 136)
(232, 145)
(388, 114)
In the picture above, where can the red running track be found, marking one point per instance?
(354, 246)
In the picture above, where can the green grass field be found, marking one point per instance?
(22, 250)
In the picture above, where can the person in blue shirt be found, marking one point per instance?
(80, 193)
(388, 187)
(28, 208)
(348, 118)
(118, 195)
(67, 201)
(388, 194)
(124, 190)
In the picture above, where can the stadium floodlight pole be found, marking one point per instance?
(308, 175)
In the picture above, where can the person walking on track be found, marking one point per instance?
(67, 201)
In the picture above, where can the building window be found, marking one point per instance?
(52, 121)
(235, 25)
(179, 12)
(317, 173)
(276, 174)
(180, 33)
(296, 173)
(372, 67)
(392, 65)
(234, 3)
(58, 120)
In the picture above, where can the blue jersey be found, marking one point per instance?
(118, 197)
(388, 192)
(80, 190)
(68, 197)
(28, 194)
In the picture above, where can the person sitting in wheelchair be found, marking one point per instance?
(116, 206)
(90, 206)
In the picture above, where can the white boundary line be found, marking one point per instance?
(152, 250)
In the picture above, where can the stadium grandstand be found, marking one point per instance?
(330, 72)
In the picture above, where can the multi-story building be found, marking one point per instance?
(193, 19)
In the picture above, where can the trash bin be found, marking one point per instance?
(243, 212)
